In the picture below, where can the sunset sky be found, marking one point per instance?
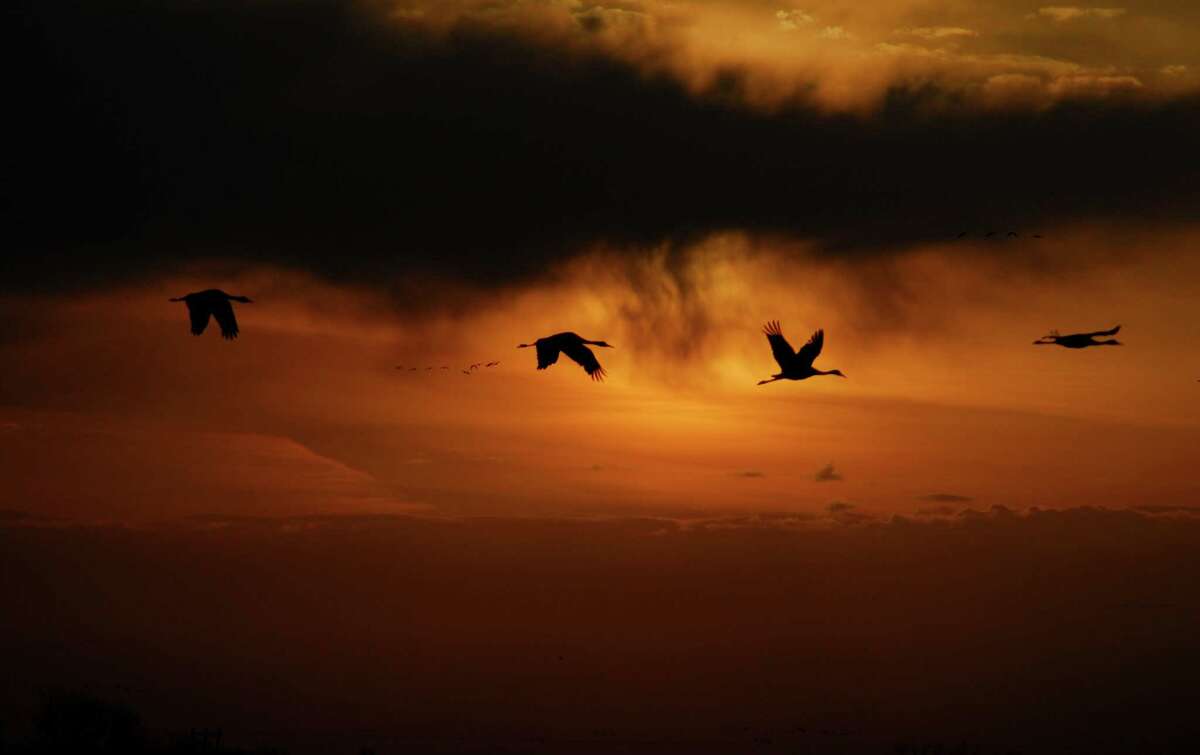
(432, 182)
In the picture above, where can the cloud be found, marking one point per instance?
(341, 147)
(834, 32)
(828, 474)
(946, 498)
(936, 32)
(790, 20)
(1062, 13)
(937, 511)
(1175, 69)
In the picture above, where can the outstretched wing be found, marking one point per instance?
(811, 350)
(223, 311)
(784, 354)
(584, 356)
(199, 313)
(1112, 332)
(547, 353)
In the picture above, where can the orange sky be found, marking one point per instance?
(111, 410)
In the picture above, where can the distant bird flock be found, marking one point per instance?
(793, 365)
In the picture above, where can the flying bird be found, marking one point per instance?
(989, 234)
(961, 235)
(492, 364)
(466, 372)
(1012, 234)
(574, 346)
(796, 365)
(213, 303)
(1079, 340)
(477, 365)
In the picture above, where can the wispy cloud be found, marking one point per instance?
(946, 498)
(790, 20)
(936, 32)
(1062, 13)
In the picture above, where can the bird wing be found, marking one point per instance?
(811, 350)
(547, 352)
(783, 351)
(1112, 332)
(199, 313)
(584, 356)
(223, 311)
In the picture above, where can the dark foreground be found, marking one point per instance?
(988, 632)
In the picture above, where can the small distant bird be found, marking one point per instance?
(1012, 234)
(961, 235)
(796, 365)
(466, 372)
(1037, 235)
(445, 366)
(477, 365)
(428, 368)
(492, 364)
(213, 303)
(1079, 340)
(989, 234)
(574, 346)
(412, 369)
(399, 366)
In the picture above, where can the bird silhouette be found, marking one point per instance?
(492, 364)
(1012, 234)
(213, 303)
(796, 365)
(574, 346)
(989, 234)
(961, 235)
(477, 365)
(1079, 340)
(466, 372)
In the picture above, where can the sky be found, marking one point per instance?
(430, 184)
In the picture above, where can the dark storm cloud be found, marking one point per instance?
(316, 135)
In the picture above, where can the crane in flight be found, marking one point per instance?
(795, 365)
(1079, 340)
(574, 346)
(213, 303)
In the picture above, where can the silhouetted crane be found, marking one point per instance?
(1079, 340)
(796, 365)
(574, 346)
(213, 303)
